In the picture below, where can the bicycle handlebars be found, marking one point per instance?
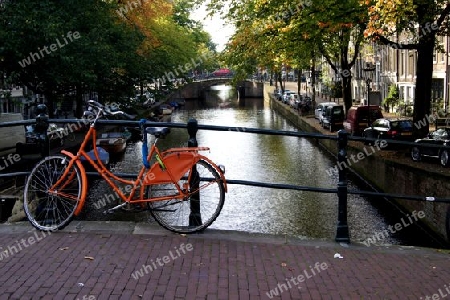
(95, 104)
(107, 111)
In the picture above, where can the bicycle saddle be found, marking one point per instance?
(159, 132)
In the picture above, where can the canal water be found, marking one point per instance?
(272, 159)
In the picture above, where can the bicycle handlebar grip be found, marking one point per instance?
(95, 103)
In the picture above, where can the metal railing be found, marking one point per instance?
(342, 138)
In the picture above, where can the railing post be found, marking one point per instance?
(41, 129)
(195, 217)
(342, 233)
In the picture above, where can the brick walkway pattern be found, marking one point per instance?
(212, 265)
(104, 263)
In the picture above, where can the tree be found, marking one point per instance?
(392, 99)
(419, 21)
(338, 29)
(263, 39)
(58, 49)
(174, 44)
(297, 32)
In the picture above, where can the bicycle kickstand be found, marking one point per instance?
(111, 210)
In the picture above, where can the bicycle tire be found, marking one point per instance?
(175, 214)
(50, 212)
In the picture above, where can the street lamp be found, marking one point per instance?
(369, 68)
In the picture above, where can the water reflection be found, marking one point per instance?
(272, 159)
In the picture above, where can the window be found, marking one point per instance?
(402, 63)
(411, 63)
(378, 123)
(337, 111)
(404, 124)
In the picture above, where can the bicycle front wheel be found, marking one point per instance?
(49, 211)
(196, 211)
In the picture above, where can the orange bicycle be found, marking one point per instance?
(183, 190)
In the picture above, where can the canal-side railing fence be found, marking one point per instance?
(342, 138)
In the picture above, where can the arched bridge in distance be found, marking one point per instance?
(196, 89)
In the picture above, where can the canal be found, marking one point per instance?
(272, 159)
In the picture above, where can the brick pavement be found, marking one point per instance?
(95, 260)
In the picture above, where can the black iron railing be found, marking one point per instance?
(342, 138)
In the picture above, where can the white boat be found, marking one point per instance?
(112, 142)
(165, 109)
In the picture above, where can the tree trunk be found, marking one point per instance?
(424, 76)
(347, 92)
(346, 81)
(313, 83)
(279, 79)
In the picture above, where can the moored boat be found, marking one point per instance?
(103, 155)
(165, 109)
(112, 142)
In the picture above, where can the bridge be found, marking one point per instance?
(197, 89)
(439, 217)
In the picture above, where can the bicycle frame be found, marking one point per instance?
(176, 162)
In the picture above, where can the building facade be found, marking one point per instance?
(398, 67)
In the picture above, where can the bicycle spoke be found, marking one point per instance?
(46, 209)
(189, 214)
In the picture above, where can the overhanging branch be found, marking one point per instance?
(444, 14)
(396, 45)
(327, 57)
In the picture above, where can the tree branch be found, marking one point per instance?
(396, 45)
(431, 28)
(327, 57)
(444, 14)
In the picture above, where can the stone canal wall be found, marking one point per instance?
(387, 175)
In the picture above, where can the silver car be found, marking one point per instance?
(294, 100)
(285, 97)
(320, 108)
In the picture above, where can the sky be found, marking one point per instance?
(220, 33)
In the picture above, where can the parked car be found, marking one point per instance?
(305, 104)
(277, 94)
(320, 108)
(440, 137)
(285, 97)
(294, 100)
(333, 117)
(390, 128)
(359, 117)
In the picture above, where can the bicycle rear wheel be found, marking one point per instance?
(52, 211)
(195, 212)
